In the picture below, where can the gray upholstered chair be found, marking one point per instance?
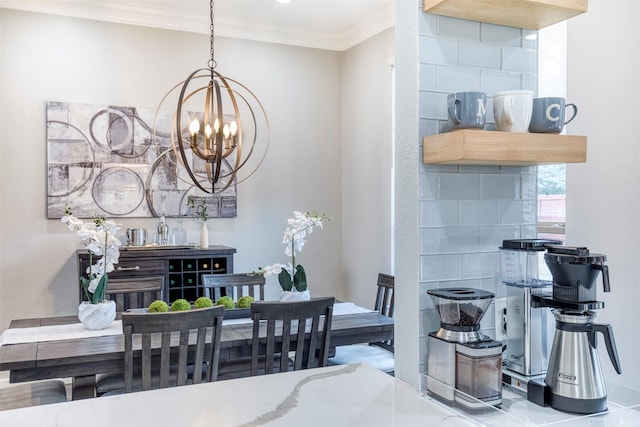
(160, 364)
(35, 393)
(377, 354)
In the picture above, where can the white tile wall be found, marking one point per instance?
(467, 211)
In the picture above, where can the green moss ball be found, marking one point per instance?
(245, 301)
(203, 302)
(158, 307)
(227, 302)
(180, 304)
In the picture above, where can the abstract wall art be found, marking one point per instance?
(106, 160)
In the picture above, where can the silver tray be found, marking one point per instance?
(155, 247)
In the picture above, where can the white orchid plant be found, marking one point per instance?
(292, 276)
(99, 238)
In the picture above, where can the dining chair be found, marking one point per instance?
(235, 285)
(134, 292)
(161, 363)
(377, 354)
(290, 335)
(35, 393)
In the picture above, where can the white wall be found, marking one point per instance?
(55, 58)
(406, 160)
(367, 159)
(603, 207)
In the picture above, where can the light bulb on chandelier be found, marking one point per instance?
(212, 154)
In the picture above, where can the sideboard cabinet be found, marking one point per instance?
(179, 269)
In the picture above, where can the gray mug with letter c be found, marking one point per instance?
(467, 110)
(549, 115)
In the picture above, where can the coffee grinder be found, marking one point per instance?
(574, 381)
(529, 330)
(464, 366)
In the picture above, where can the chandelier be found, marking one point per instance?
(214, 131)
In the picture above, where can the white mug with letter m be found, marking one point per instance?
(549, 115)
(467, 110)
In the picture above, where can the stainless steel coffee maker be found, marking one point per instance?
(574, 381)
(464, 366)
(529, 330)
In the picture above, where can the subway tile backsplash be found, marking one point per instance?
(456, 79)
(467, 211)
(459, 29)
(500, 35)
(480, 56)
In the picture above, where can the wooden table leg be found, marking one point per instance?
(83, 387)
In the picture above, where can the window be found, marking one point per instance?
(551, 202)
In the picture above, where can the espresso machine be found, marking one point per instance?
(464, 365)
(574, 381)
(529, 330)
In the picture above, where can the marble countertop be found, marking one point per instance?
(350, 396)
(623, 410)
(338, 396)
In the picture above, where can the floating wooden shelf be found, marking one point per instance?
(530, 14)
(483, 147)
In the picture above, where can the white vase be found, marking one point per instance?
(295, 296)
(97, 316)
(204, 235)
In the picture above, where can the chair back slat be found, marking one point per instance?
(384, 303)
(169, 342)
(235, 285)
(134, 292)
(384, 296)
(308, 344)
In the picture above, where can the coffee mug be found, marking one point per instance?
(512, 110)
(549, 115)
(467, 110)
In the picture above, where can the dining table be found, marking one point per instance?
(59, 347)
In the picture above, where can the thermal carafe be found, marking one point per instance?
(574, 376)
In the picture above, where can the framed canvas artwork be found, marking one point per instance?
(108, 160)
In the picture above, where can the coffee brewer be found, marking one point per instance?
(464, 366)
(529, 330)
(574, 380)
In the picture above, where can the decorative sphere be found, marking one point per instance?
(227, 302)
(158, 306)
(203, 302)
(245, 301)
(180, 304)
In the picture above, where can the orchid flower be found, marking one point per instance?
(293, 276)
(99, 238)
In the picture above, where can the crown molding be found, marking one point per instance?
(124, 12)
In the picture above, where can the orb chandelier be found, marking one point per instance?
(214, 131)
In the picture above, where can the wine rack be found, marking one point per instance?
(185, 274)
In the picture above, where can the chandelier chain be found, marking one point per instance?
(212, 62)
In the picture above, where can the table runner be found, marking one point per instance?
(76, 330)
(56, 333)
